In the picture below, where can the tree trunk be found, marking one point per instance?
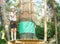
(50, 14)
(55, 19)
(56, 30)
(5, 20)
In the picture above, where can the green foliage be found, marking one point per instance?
(59, 32)
(39, 32)
(50, 32)
(50, 4)
(2, 41)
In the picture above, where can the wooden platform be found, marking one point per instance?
(25, 42)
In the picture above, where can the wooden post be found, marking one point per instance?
(45, 22)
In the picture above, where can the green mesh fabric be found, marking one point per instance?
(26, 27)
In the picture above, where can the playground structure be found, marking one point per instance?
(25, 15)
(26, 21)
(26, 42)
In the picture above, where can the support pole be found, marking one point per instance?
(45, 22)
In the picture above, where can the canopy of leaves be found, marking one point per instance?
(50, 32)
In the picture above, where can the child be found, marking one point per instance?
(13, 23)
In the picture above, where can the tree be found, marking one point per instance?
(50, 31)
(54, 5)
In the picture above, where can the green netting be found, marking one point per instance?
(26, 27)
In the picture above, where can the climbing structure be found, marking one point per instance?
(26, 7)
(26, 25)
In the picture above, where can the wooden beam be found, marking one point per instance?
(45, 22)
